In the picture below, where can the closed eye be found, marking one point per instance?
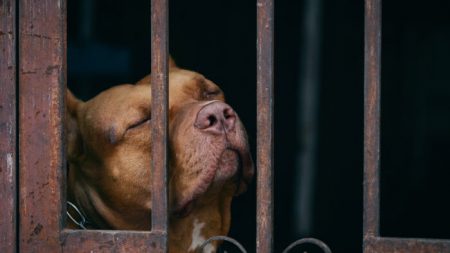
(208, 94)
(139, 123)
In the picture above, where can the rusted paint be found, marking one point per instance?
(41, 45)
(406, 245)
(264, 230)
(159, 81)
(111, 241)
(8, 122)
(372, 66)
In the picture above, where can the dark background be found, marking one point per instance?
(109, 44)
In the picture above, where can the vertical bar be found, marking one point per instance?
(159, 82)
(42, 60)
(8, 122)
(372, 68)
(264, 230)
(308, 111)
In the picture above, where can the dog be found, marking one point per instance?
(109, 150)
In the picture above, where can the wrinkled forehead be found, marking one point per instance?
(124, 94)
(187, 87)
(184, 86)
(189, 83)
(121, 101)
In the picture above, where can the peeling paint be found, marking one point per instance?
(9, 164)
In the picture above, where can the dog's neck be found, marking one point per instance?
(209, 217)
(84, 197)
(103, 212)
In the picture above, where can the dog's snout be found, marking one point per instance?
(216, 118)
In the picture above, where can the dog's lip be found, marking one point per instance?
(244, 174)
(246, 171)
(185, 209)
(185, 206)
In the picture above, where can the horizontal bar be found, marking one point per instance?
(111, 241)
(372, 66)
(8, 121)
(159, 84)
(405, 245)
(264, 152)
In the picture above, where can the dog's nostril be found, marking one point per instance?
(212, 120)
(230, 118)
(228, 113)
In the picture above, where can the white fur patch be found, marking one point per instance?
(198, 239)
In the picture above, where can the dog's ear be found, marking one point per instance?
(74, 139)
(172, 64)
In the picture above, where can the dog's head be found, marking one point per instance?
(109, 151)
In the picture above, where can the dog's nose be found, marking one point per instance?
(216, 118)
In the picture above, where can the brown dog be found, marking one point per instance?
(109, 159)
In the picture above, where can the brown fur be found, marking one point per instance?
(109, 151)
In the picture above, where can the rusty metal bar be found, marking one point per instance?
(82, 241)
(372, 67)
(159, 82)
(265, 32)
(42, 40)
(8, 198)
(372, 242)
(406, 245)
